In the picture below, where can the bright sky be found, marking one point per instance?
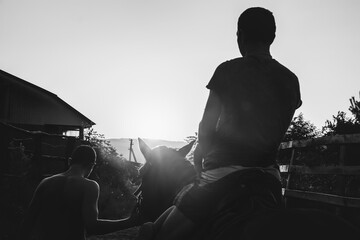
(138, 68)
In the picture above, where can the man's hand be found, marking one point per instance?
(207, 129)
(198, 157)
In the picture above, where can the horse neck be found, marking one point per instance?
(169, 181)
(183, 172)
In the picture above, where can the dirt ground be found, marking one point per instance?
(127, 234)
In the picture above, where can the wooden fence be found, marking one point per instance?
(32, 152)
(323, 172)
(26, 157)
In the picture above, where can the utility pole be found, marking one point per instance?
(131, 151)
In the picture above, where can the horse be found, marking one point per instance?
(166, 172)
(159, 185)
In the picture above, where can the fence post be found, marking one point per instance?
(37, 166)
(70, 145)
(289, 173)
(341, 180)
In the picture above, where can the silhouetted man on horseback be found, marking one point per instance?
(250, 106)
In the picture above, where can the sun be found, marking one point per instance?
(154, 119)
(154, 123)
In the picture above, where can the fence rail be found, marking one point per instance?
(324, 198)
(328, 140)
(41, 150)
(323, 170)
(348, 153)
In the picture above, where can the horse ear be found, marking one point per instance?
(145, 149)
(186, 149)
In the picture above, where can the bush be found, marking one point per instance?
(114, 174)
(341, 124)
(301, 129)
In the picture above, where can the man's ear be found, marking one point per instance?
(240, 34)
(241, 41)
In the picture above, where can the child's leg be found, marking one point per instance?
(175, 226)
(148, 230)
(160, 221)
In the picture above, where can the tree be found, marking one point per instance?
(114, 174)
(341, 124)
(355, 109)
(301, 129)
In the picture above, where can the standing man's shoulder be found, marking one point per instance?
(49, 181)
(75, 182)
(90, 185)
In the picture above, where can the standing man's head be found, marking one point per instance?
(256, 28)
(85, 157)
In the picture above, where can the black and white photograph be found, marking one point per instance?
(179, 120)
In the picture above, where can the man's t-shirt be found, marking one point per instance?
(259, 97)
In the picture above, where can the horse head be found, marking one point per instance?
(165, 172)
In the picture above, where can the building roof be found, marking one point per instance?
(26, 103)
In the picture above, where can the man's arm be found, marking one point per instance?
(31, 214)
(207, 128)
(90, 213)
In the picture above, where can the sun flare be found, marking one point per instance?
(155, 124)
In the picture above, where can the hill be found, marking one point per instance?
(122, 146)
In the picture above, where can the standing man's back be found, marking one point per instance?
(65, 206)
(61, 196)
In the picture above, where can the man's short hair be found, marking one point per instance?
(83, 155)
(257, 25)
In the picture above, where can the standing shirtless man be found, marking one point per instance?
(65, 206)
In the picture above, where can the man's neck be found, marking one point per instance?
(257, 50)
(75, 171)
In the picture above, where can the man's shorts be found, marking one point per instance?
(243, 191)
